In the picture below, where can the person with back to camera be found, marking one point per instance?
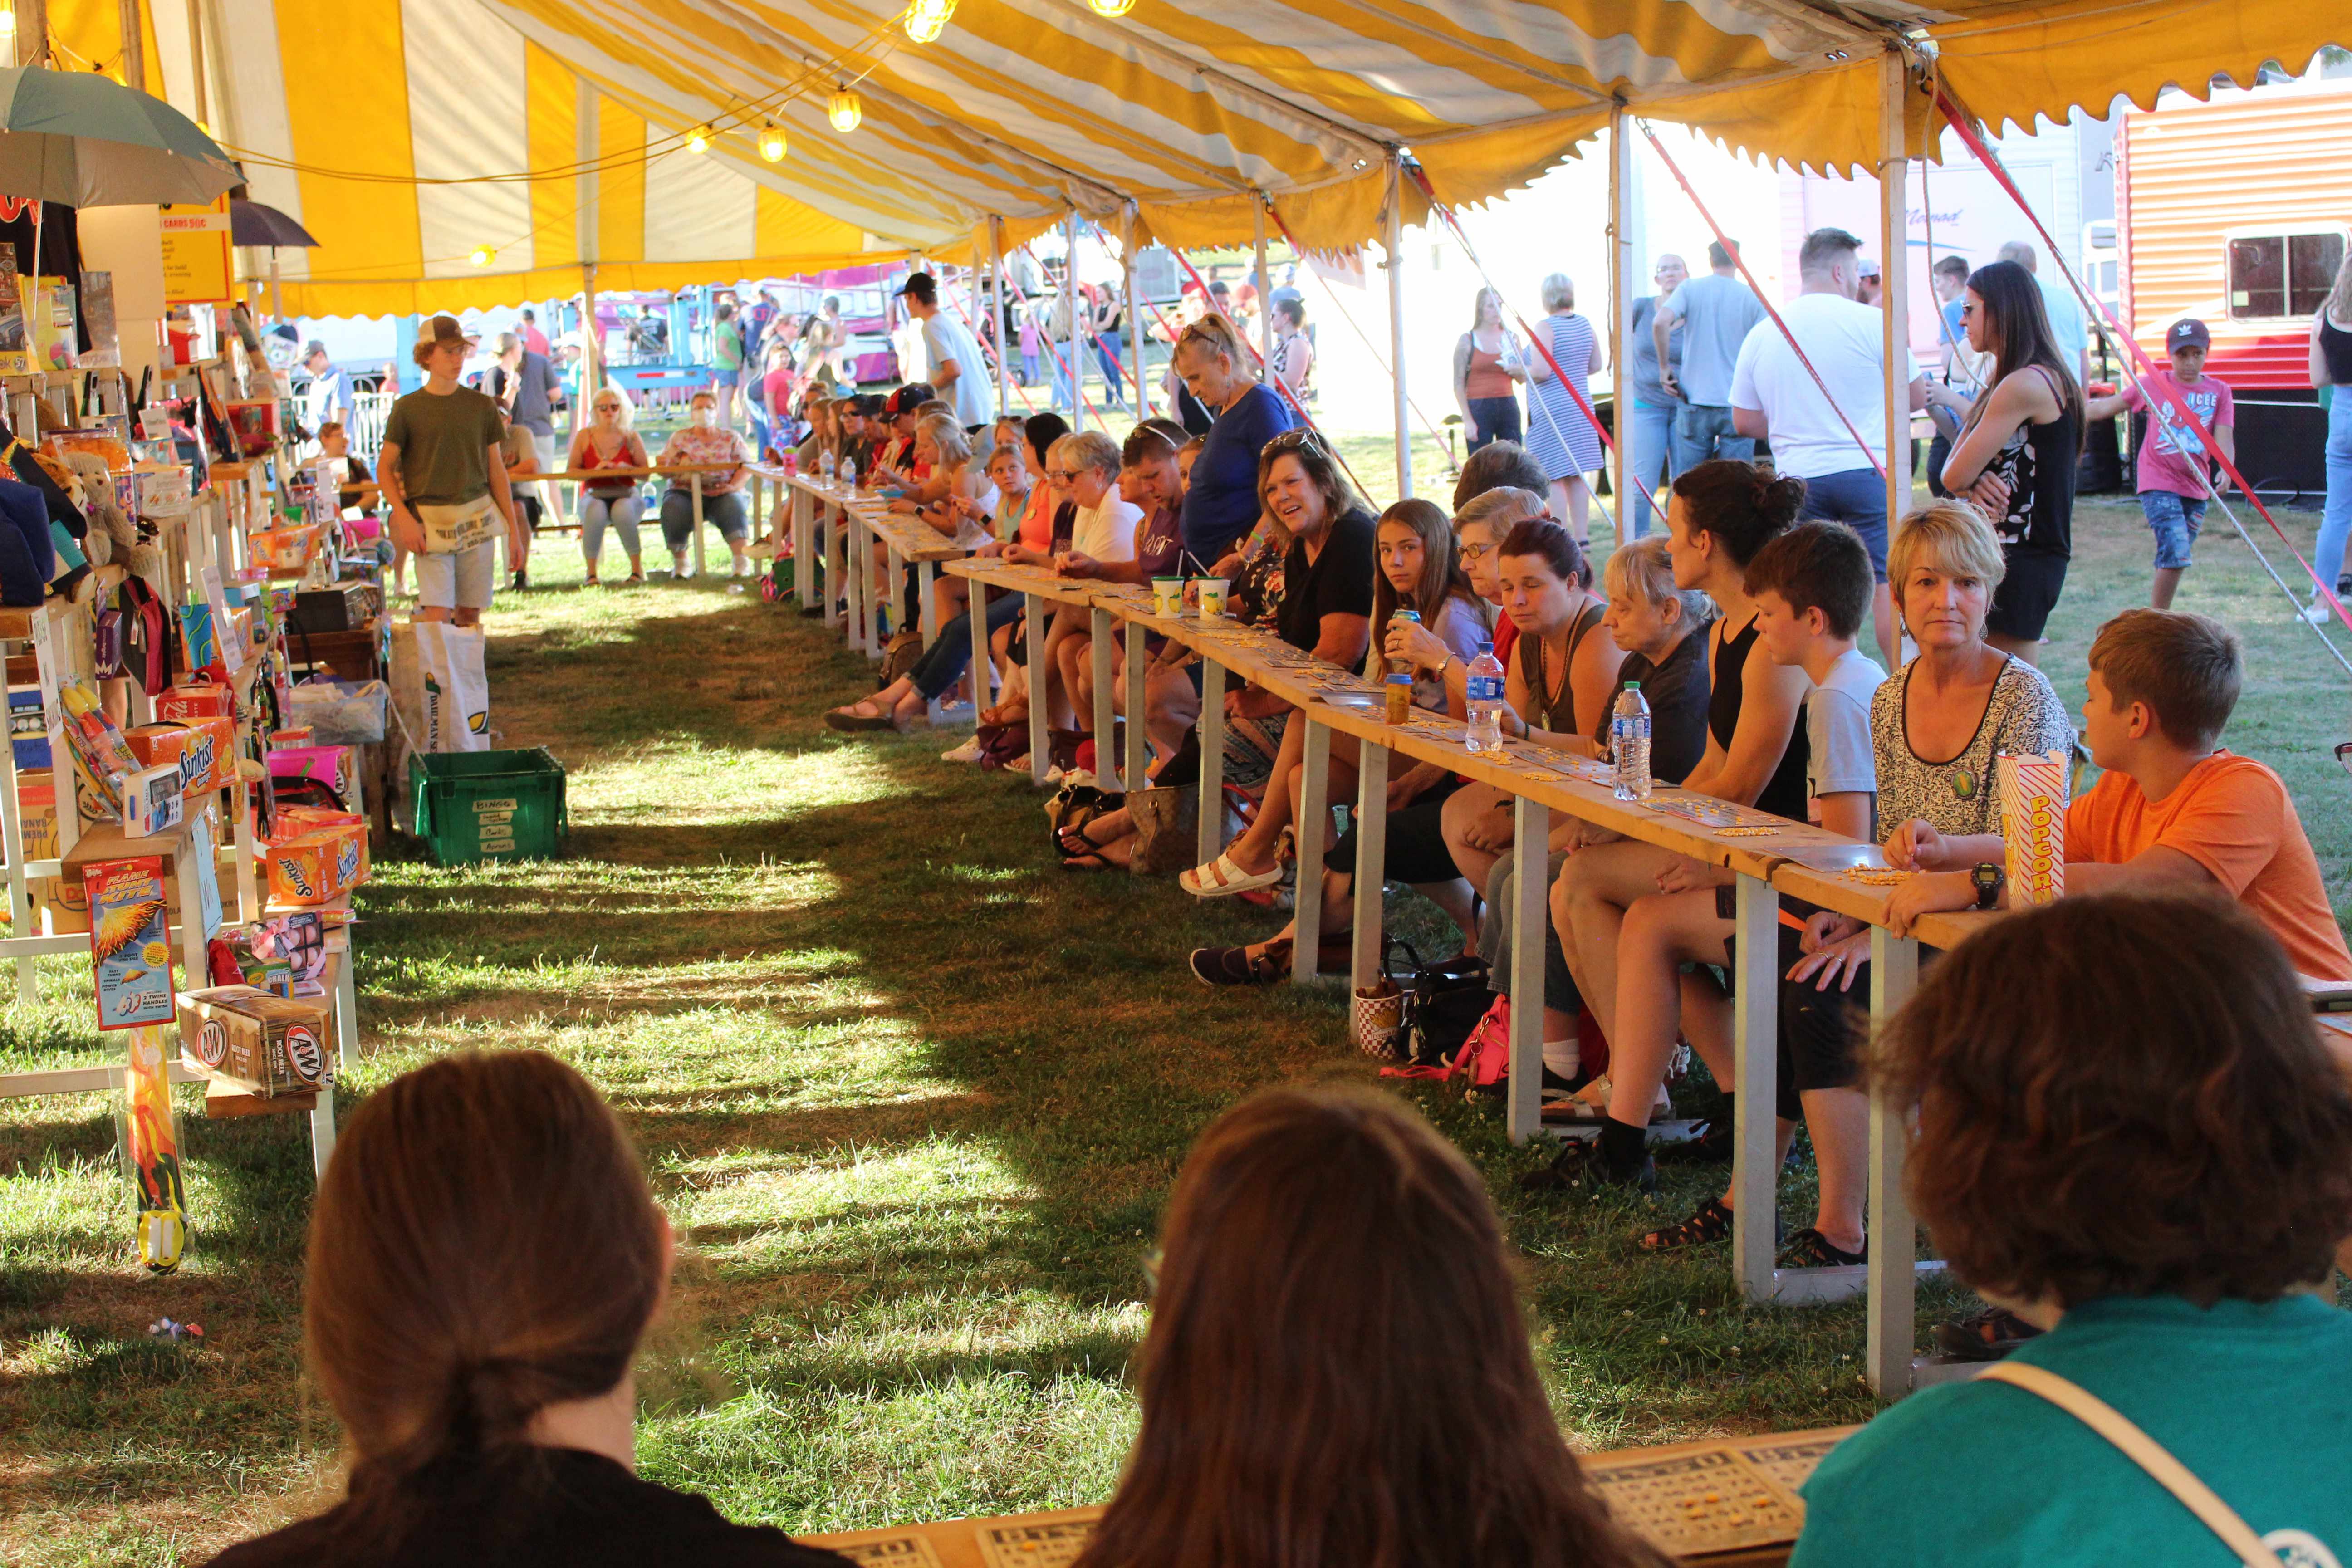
(1649, 433)
(2016, 455)
(484, 1262)
(2129, 1132)
(1717, 312)
(1562, 436)
(1338, 1372)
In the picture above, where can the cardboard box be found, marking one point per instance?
(207, 700)
(130, 942)
(154, 801)
(265, 1044)
(157, 745)
(324, 863)
(209, 760)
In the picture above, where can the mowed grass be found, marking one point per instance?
(911, 1095)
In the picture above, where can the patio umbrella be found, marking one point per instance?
(87, 140)
(255, 223)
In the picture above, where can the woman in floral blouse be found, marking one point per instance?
(705, 442)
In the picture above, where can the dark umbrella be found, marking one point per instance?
(85, 140)
(254, 223)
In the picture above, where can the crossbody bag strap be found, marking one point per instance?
(2142, 1450)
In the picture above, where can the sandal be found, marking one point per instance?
(1223, 876)
(1234, 966)
(849, 719)
(590, 581)
(634, 580)
(1808, 1248)
(1988, 1335)
(1080, 853)
(1710, 1223)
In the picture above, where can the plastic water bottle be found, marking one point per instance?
(849, 475)
(1484, 693)
(825, 465)
(1629, 737)
(1399, 685)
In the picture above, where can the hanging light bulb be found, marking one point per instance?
(926, 19)
(772, 142)
(845, 111)
(698, 139)
(483, 255)
(1111, 8)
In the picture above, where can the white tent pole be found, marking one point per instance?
(1621, 319)
(1006, 338)
(1130, 312)
(1265, 289)
(1393, 240)
(1077, 368)
(1895, 273)
(134, 43)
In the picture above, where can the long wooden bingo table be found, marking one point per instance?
(1768, 856)
(1723, 1503)
(1040, 587)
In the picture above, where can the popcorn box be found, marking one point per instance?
(312, 866)
(264, 1044)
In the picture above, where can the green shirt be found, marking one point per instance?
(2255, 1400)
(444, 441)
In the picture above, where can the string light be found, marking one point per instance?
(698, 139)
(772, 142)
(1111, 8)
(926, 19)
(483, 255)
(845, 111)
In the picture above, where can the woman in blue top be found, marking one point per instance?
(2129, 1133)
(1222, 504)
(1560, 436)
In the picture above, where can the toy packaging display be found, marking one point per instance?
(265, 1044)
(130, 940)
(150, 1148)
(98, 749)
(154, 800)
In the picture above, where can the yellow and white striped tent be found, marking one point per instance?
(408, 134)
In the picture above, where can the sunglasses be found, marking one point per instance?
(1061, 476)
(1300, 440)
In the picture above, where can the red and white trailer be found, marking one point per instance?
(2237, 211)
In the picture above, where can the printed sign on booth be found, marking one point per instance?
(196, 254)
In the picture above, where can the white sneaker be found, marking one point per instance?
(2318, 612)
(967, 752)
(745, 568)
(682, 571)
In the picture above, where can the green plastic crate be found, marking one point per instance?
(489, 806)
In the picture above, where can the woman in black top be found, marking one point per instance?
(2016, 456)
(1621, 906)
(483, 1260)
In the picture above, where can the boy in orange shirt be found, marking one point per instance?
(2171, 806)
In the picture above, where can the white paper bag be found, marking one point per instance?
(457, 693)
(451, 529)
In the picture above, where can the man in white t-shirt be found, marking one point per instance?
(2068, 329)
(958, 377)
(1774, 395)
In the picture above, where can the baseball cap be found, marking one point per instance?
(313, 347)
(922, 286)
(1869, 268)
(908, 398)
(2187, 333)
(442, 329)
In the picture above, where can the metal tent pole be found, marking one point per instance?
(1006, 338)
(1077, 368)
(1392, 241)
(1264, 288)
(1621, 316)
(1129, 311)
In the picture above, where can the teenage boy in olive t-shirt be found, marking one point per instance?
(443, 447)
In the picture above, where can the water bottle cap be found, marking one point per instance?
(1633, 685)
(1486, 648)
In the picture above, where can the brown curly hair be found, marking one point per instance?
(2122, 1095)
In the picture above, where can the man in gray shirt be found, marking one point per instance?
(958, 377)
(1717, 313)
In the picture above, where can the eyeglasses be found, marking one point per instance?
(1061, 476)
(1478, 552)
(1302, 440)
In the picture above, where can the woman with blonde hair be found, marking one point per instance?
(484, 1262)
(607, 441)
(1338, 1372)
(1561, 437)
(1488, 366)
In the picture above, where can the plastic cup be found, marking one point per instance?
(1212, 593)
(1167, 595)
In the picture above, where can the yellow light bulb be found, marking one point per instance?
(698, 139)
(926, 19)
(483, 255)
(772, 142)
(1111, 8)
(845, 111)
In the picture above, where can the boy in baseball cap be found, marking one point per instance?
(2173, 462)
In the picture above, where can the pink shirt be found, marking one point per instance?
(2171, 451)
(696, 445)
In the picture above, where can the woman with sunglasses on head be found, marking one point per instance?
(608, 442)
(1338, 1372)
(2016, 455)
(484, 1262)
(1418, 572)
(1222, 503)
(1326, 611)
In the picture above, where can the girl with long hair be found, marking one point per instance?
(1488, 366)
(2016, 455)
(2331, 365)
(484, 1261)
(1338, 1372)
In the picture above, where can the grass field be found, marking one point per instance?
(911, 1094)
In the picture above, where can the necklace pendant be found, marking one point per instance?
(1964, 784)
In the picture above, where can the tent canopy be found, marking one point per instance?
(408, 134)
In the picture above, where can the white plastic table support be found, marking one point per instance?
(803, 558)
(1313, 821)
(983, 667)
(1893, 1280)
(1756, 1013)
(1038, 748)
(1371, 868)
(829, 538)
(695, 482)
(1102, 629)
(1210, 842)
(1135, 767)
(1530, 925)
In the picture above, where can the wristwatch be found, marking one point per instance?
(1987, 879)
